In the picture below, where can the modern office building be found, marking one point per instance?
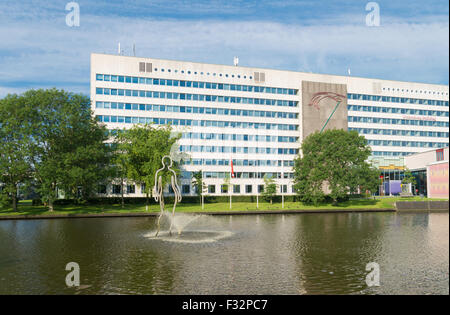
(258, 117)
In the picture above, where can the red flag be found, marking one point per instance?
(232, 170)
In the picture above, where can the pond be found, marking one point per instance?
(241, 254)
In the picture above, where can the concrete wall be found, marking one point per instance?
(437, 180)
(421, 205)
(317, 107)
(419, 161)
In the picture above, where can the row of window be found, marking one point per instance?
(393, 121)
(195, 97)
(393, 99)
(195, 84)
(396, 132)
(260, 175)
(226, 75)
(191, 122)
(227, 137)
(195, 110)
(186, 189)
(237, 137)
(248, 189)
(409, 111)
(415, 144)
(236, 162)
(389, 153)
(244, 150)
(416, 91)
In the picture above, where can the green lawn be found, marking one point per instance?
(25, 207)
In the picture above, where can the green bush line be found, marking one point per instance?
(69, 207)
(186, 200)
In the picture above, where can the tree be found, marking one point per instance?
(120, 167)
(270, 188)
(143, 147)
(333, 161)
(409, 178)
(68, 151)
(227, 182)
(15, 144)
(198, 183)
(365, 177)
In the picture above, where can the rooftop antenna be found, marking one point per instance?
(236, 61)
(119, 49)
(134, 50)
(348, 71)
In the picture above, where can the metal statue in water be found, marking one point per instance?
(158, 191)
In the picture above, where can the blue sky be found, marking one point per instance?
(38, 49)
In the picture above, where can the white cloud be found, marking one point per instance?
(48, 53)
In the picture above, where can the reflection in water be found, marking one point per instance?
(261, 254)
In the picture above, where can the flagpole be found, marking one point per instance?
(282, 183)
(201, 187)
(257, 195)
(229, 188)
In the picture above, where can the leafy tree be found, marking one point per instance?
(334, 161)
(227, 182)
(270, 188)
(366, 178)
(199, 184)
(120, 167)
(16, 122)
(409, 178)
(143, 147)
(68, 151)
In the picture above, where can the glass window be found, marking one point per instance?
(211, 189)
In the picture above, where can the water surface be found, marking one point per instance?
(247, 254)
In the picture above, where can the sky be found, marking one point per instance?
(39, 50)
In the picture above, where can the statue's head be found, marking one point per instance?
(166, 161)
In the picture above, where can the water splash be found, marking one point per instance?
(191, 228)
(180, 220)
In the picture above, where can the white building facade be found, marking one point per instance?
(258, 117)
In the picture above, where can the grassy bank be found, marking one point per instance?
(25, 207)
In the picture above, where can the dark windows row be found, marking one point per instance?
(194, 97)
(195, 84)
(190, 122)
(187, 189)
(397, 132)
(393, 99)
(238, 137)
(392, 121)
(277, 175)
(244, 150)
(237, 162)
(248, 189)
(415, 144)
(390, 153)
(195, 110)
(409, 111)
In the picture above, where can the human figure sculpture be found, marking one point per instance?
(158, 192)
